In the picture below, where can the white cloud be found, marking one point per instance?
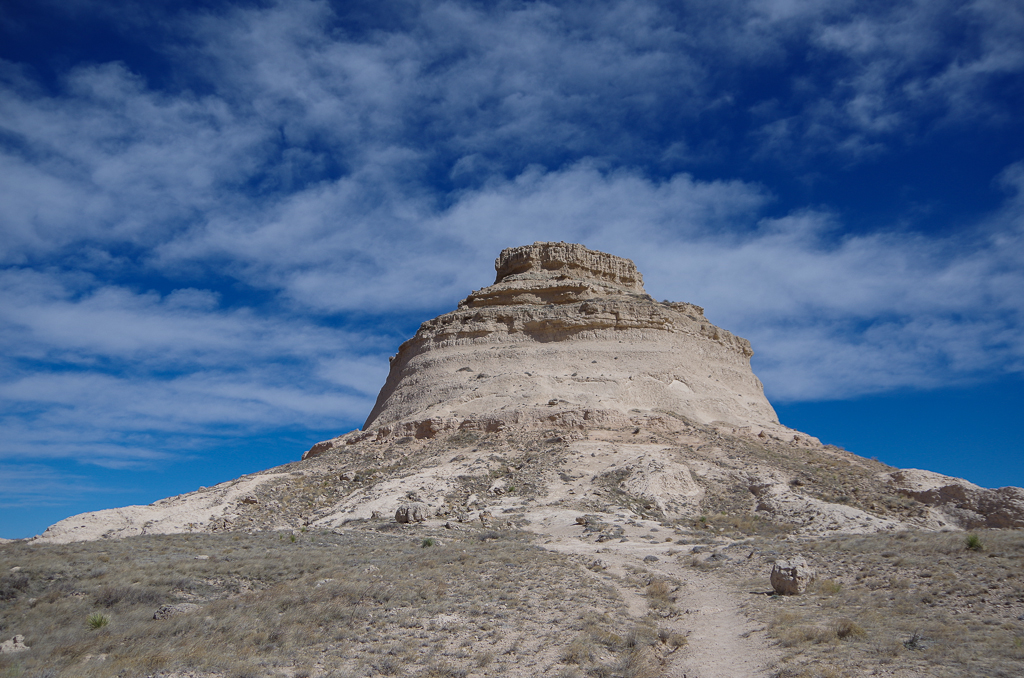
(177, 258)
(834, 316)
(36, 484)
(109, 376)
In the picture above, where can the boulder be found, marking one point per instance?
(15, 644)
(412, 512)
(791, 577)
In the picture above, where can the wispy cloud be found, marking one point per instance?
(236, 244)
(41, 485)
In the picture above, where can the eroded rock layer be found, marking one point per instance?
(567, 333)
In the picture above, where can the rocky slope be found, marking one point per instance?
(564, 391)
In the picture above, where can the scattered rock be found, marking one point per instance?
(791, 577)
(168, 611)
(413, 512)
(15, 644)
(250, 500)
(651, 559)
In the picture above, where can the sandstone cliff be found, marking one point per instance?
(567, 335)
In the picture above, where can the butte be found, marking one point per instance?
(563, 390)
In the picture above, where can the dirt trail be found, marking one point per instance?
(723, 642)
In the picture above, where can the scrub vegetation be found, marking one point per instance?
(370, 601)
(903, 604)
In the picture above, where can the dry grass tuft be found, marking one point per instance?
(659, 597)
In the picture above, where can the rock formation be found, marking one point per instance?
(567, 337)
(965, 504)
(565, 389)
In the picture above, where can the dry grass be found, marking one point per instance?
(358, 603)
(926, 603)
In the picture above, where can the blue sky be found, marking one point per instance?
(218, 220)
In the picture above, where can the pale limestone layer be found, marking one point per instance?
(566, 329)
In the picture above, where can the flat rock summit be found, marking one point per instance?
(567, 337)
(562, 396)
